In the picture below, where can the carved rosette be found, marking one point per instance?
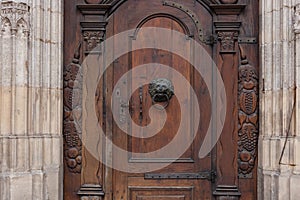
(248, 119)
(14, 18)
(72, 114)
(227, 39)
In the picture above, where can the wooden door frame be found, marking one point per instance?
(233, 49)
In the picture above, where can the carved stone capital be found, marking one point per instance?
(14, 18)
(297, 20)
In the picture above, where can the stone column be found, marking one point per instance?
(279, 144)
(31, 99)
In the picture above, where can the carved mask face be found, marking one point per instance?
(249, 76)
(161, 90)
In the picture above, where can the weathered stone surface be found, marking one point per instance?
(295, 187)
(280, 54)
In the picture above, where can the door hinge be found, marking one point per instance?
(212, 39)
(247, 40)
(207, 175)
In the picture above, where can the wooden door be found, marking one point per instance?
(178, 180)
(227, 32)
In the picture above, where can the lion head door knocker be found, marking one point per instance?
(161, 90)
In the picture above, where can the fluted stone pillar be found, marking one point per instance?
(31, 99)
(279, 178)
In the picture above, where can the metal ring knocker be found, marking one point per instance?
(163, 106)
(161, 90)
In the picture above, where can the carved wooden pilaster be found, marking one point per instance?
(227, 35)
(93, 30)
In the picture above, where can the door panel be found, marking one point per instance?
(140, 108)
(135, 186)
(161, 193)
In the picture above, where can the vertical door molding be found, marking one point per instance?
(93, 29)
(227, 28)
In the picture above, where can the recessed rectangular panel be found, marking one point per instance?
(162, 197)
(161, 193)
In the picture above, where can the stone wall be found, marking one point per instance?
(279, 93)
(31, 99)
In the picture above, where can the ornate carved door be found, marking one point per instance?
(160, 99)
